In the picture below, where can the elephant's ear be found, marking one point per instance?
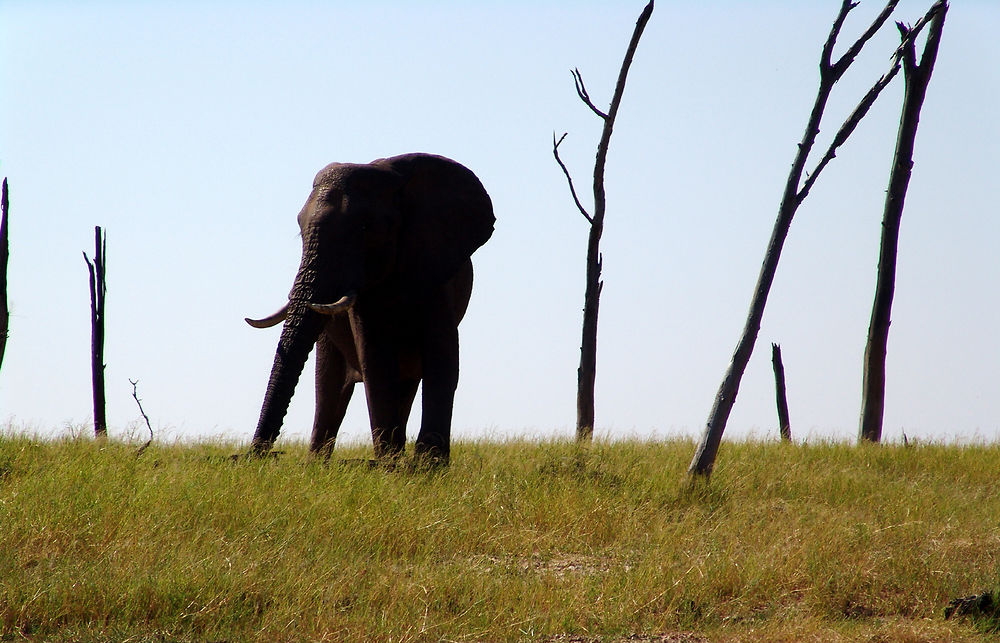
(446, 216)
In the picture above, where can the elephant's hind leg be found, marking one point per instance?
(440, 379)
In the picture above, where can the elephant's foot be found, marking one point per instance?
(323, 451)
(388, 447)
(430, 456)
(260, 448)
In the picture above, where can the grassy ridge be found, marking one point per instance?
(516, 541)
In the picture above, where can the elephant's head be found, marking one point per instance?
(388, 231)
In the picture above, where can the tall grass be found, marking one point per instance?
(515, 541)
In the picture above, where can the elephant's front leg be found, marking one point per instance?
(378, 358)
(335, 380)
(440, 380)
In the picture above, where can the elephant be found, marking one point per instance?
(384, 280)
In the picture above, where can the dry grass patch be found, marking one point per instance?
(514, 542)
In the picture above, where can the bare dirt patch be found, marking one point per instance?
(560, 565)
(676, 637)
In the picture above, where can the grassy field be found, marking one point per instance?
(514, 542)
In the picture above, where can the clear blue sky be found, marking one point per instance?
(191, 131)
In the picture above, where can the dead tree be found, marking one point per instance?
(135, 396)
(98, 289)
(829, 73)
(587, 371)
(4, 254)
(917, 78)
(784, 426)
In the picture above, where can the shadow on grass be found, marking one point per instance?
(697, 491)
(982, 610)
(580, 466)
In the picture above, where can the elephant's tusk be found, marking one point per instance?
(340, 306)
(270, 320)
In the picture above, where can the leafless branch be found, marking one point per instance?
(555, 152)
(933, 38)
(135, 396)
(907, 48)
(852, 52)
(848, 128)
(581, 91)
(904, 53)
(824, 62)
(616, 99)
(910, 33)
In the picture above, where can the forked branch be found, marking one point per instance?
(910, 33)
(848, 127)
(902, 53)
(852, 52)
(581, 91)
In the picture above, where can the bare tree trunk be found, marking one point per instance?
(784, 426)
(587, 372)
(98, 289)
(917, 78)
(4, 255)
(830, 73)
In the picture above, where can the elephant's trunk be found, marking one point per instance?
(301, 329)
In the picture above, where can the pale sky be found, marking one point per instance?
(192, 130)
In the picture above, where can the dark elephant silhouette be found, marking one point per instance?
(384, 281)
